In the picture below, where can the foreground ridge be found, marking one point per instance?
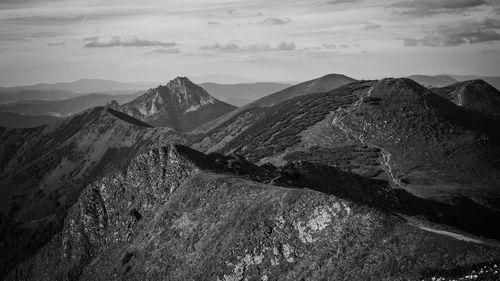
(173, 206)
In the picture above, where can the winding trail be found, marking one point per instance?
(342, 113)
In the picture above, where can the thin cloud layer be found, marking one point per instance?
(455, 35)
(260, 47)
(128, 41)
(274, 21)
(429, 7)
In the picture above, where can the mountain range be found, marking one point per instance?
(332, 178)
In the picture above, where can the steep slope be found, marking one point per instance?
(393, 129)
(65, 107)
(433, 81)
(44, 169)
(318, 85)
(180, 105)
(14, 120)
(176, 214)
(475, 94)
(244, 92)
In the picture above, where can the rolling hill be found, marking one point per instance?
(475, 94)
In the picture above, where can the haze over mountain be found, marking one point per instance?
(180, 104)
(433, 81)
(10, 97)
(14, 120)
(241, 94)
(79, 86)
(65, 107)
(492, 80)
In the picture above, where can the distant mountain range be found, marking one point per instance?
(79, 86)
(65, 107)
(241, 94)
(433, 81)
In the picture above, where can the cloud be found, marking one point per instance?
(260, 47)
(166, 51)
(429, 7)
(330, 46)
(372, 26)
(55, 44)
(127, 41)
(274, 21)
(455, 35)
(335, 2)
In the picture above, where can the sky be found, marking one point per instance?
(261, 40)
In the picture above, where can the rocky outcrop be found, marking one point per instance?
(180, 105)
(177, 214)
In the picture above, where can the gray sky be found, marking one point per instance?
(292, 40)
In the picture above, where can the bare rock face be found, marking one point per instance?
(177, 214)
(180, 105)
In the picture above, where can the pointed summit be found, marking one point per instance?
(180, 105)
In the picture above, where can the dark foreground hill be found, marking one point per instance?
(44, 169)
(176, 214)
(180, 105)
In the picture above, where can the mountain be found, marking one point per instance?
(174, 209)
(14, 120)
(394, 129)
(474, 94)
(79, 86)
(44, 169)
(492, 80)
(241, 94)
(10, 97)
(180, 104)
(318, 85)
(65, 107)
(433, 81)
(222, 79)
(382, 180)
